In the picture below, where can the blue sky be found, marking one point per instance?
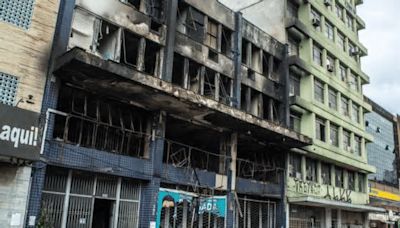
(382, 38)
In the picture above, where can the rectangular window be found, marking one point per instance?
(195, 25)
(349, 21)
(329, 30)
(295, 122)
(353, 82)
(317, 55)
(326, 173)
(295, 166)
(339, 11)
(346, 141)
(339, 177)
(334, 135)
(293, 47)
(212, 34)
(355, 114)
(357, 145)
(352, 50)
(8, 89)
(316, 19)
(311, 170)
(343, 73)
(294, 85)
(330, 64)
(332, 99)
(341, 40)
(361, 180)
(226, 41)
(318, 91)
(351, 181)
(345, 106)
(292, 9)
(320, 129)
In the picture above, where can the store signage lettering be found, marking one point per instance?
(20, 135)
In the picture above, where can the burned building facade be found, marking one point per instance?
(163, 114)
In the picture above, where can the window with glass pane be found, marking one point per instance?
(352, 48)
(294, 85)
(357, 145)
(349, 21)
(351, 181)
(295, 166)
(332, 99)
(343, 73)
(339, 11)
(326, 173)
(212, 34)
(317, 55)
(320, 129)
(339, 177)
(353, 81)
(334, 135)
(341, 41)
(311, 170)
(346, 141)
(295, 122)
(318, 91)
(330, 64)
(355, 114)
(361, 186)
(345, 106)
(329, 30)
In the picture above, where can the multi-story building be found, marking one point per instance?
(26, 33)
(163, 114)
(327, 182)
(383, 153)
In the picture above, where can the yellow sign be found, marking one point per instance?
(384, 195)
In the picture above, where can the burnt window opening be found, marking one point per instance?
(130, 48)
(108, 38)
(209, 84)
(258, 161)
(194, 76)
(194, 23)
(151, 57)
(245, 45)
(213, 55)
(251, 74)
(256, 61)
(255, 103)
(155, 9)
(225, 86)
(135, 3)
(193, 146)
(311, 170)
(295, 166)
(244, 95)
(265, 63)
(267, 112)
(102, 124)
(275, 75)
(295, 121)
(178, 70)
(155, 26)
(226, 41)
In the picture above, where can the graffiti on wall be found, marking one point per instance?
(338, 194)
(307, 187)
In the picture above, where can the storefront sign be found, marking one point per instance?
(19, 133)
(384, 195)
(172, 198)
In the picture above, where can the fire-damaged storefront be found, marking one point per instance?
(20, 143)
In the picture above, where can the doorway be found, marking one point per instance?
(102, 213)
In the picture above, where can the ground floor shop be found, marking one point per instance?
(323, 217)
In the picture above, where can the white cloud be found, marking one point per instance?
(382, 38)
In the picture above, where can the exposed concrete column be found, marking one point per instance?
(232, 174)
(332, 170)
(328, 217)
(339, 218)
(303, 167)
(141, 55)
(168, 62)
(286, 78)
(237, 47)
(319, 172)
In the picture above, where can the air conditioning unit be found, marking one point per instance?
(316, 22)
(328, 2)
(355, 51)
(330, 67)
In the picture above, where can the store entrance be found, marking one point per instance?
(102, 213)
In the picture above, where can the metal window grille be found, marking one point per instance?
(17, 12)
(256, 213)
(8, 87)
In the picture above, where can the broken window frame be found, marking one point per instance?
(320, 129)
(351, 180)
(226, 41)
(311, 170)
(295, 121)
(194, 24)
(294, 86)
(212, 36)
(339, 177)
(295, 166)
(326, 173)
